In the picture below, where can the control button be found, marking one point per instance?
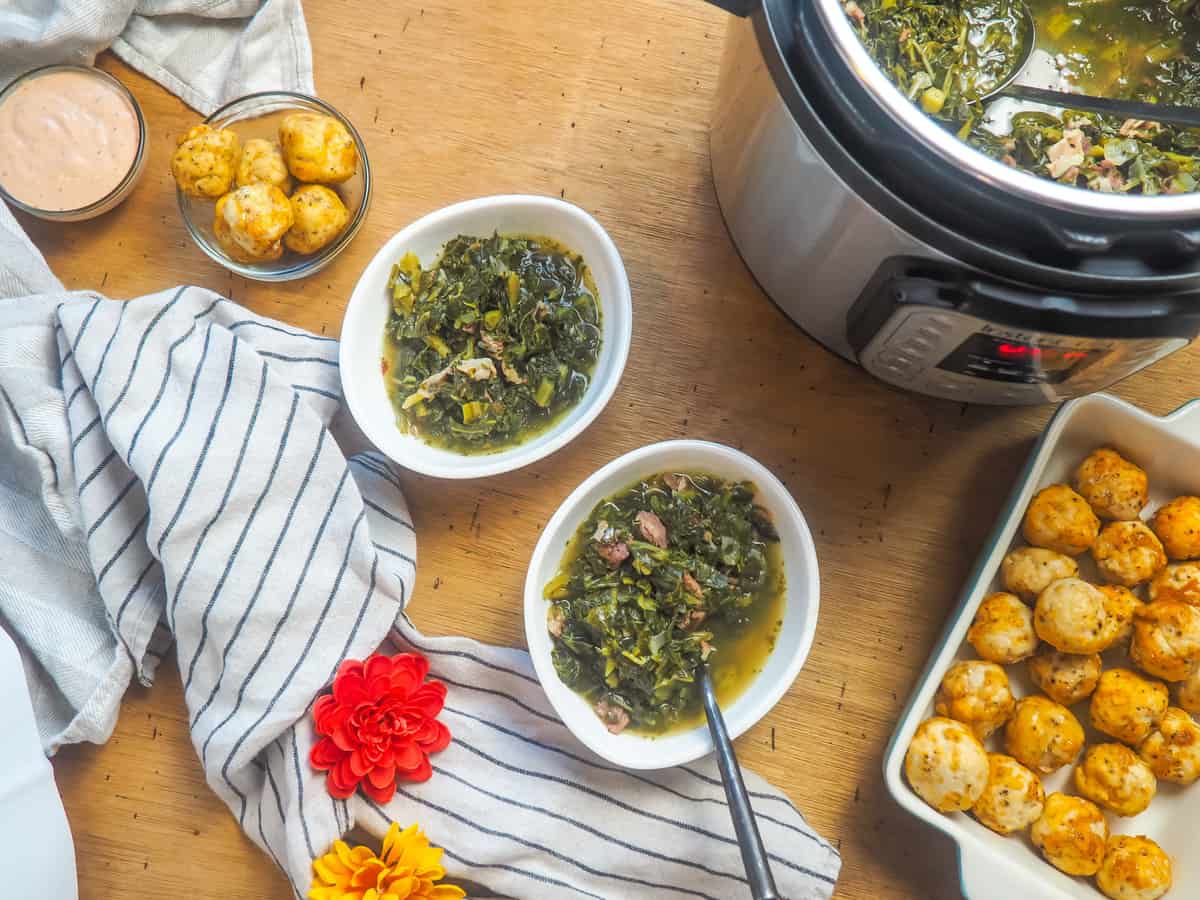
(917, 345)
(928, 333)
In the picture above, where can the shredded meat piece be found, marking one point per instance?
(652, 528)
(481, 369)
(692, 618)
(676, 483)
(615, 719)
(1068, 153)
(705, 649)
(1009, 160)
(613, 553)
(692, 586)
(555, 621)
(1139, 128)
(854, 11)
(492, 344)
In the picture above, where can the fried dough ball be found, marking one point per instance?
(1013, 799)
(1180, 582)
(1128, 553)
(1027, 571)
(1115, 487)
(1189, 692)
(250, 222)
(946, 765)
(1059, 519)
(977, 694)
(262, 161)
(320, 217)
(1071, 834)
(1122, 605)
(1065, 678)
(1134, 868)
(317, 148)
(1177, 525)
(1070, 616)
(1003, 630)
(1127, 706)
(1172, 750)
(1042, 734)
(204, 161)
(1166, 640)
(1113, 776)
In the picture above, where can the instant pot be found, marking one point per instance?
(897, 246)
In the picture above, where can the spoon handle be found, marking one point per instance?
(1129, 109)
(754, 855)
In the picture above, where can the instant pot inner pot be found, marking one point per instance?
(893, 167)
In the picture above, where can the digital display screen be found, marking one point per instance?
(1004, 359)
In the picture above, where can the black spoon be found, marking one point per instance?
(754, 855)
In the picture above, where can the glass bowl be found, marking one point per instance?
(123, 188)
(258, 116)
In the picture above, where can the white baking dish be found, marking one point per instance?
(993, 867)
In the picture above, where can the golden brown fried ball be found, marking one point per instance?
(1065, 678)
(1027, 571)
(1059, 519)
(1172, 750)
(1180, 582)
(1070, 616)
(1128, 553)
(1114, 777)
(1115, 487)
(250, 222)
(204, 161)
(1166, 640)
(1177, 525)
(320, 217)
(317, 148)
(1122, 605)
(1189, 692)
(262, 161)
(1003, 630)
(1127, 706)
(1042, 734)
(946, 765)
(1134, 868)
(977, 694)
(1013, 799)
(1071, 834)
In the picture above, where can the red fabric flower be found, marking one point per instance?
(379, 725)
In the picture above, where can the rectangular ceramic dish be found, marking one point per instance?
(993, 867)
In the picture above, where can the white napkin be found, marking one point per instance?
(208, 52)
(167, 471)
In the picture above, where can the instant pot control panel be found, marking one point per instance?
(950, 334)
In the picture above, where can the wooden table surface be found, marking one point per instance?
(606, 104)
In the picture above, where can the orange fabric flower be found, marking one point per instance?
(379, 725)
(407, 870)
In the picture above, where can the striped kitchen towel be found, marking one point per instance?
(173, 470)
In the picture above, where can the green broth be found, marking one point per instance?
(493, 344)
(619, 613)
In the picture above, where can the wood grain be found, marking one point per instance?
(606, 104)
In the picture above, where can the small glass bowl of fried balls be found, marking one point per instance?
(1143, 615)
(282, 193)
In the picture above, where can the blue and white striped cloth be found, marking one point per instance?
(170, 471)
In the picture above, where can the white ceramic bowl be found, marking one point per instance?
(367, 313)
(635, 751)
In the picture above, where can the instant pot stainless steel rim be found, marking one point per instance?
(983, 168)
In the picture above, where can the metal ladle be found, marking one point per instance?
(754, 854)
(1129, 109)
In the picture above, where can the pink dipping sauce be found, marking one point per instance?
(67, 140)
